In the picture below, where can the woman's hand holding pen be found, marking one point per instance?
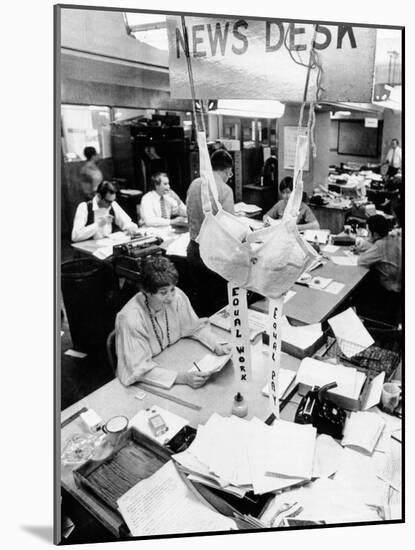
(193, 378)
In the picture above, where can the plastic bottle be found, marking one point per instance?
(240, 406)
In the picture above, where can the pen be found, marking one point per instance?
(197, 366)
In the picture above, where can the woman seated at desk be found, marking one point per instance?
(305, 220)
(156, 318)
(380, 295)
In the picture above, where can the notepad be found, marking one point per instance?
(151, 507)
(210, 363)
(160, 377)
(363, 430)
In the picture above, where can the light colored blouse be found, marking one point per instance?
(136, 342)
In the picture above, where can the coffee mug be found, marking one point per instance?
(114, 428)
(391, 394)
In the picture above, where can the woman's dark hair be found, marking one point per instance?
(286, 183)
(158, 271)
(221, 160)
(378, 224)
(89, 152)
(106, 187)
(156, 178)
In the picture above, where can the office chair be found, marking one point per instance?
(111, 351)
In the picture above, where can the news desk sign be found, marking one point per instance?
(251, 59)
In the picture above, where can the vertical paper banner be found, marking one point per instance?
(275, 330)
(238, 309)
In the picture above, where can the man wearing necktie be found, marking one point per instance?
(162, 206)
(393, 158)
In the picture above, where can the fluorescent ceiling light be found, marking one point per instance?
(251, 108)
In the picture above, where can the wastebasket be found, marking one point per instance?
(85, 287)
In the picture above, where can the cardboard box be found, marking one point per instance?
(296, 350)
(360, 395)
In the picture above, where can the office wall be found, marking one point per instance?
(323, 133)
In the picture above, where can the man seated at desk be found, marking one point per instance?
(162, 206)
(382, 254)
(101, 216)
(305, 220)
(156, 318)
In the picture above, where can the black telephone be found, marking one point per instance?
(323, 414)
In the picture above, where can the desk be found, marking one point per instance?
(310, 305)
(330, 217)
(216, 396)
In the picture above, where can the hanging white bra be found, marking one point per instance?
(267, 261)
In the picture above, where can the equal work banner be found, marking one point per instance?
(250, 59)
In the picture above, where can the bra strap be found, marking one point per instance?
(296, 197)
(209, 188)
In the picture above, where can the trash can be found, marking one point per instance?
(85, 287)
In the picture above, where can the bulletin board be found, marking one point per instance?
(354, 138)
(290, 142)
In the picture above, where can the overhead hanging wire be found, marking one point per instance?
(189, 70)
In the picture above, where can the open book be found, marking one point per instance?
(210, 363)
(363, 430)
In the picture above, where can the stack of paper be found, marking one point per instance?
(163, 504)
(237, 454)
(160, 377)
(363, 430)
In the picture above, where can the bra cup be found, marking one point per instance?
(279, 262)
(222, 252)
(234, 226)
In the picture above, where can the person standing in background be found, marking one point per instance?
(211, 287)
(393, 158)
(91, 175)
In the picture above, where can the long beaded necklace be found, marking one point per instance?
(153, 324)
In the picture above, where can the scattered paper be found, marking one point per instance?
(302, 336)
(327, 456)
(103, 252)
(151, 507)
(374, 392)
(350, 332)
(285, 377)
(330, 248)
(178, 247)
(174, 423)
(321, 234)
(73, 353)
(334, 287)
(363, 430)
(257, 321)
(344, 260)
(319, 283)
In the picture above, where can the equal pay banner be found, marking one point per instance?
(250, 59)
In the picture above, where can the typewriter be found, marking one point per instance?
(128, 257)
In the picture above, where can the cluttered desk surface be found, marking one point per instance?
(360, 479)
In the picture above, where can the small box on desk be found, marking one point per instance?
(295, 349)
(355, 390)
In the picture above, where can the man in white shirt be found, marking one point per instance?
(101, 216)
(162, 206)
(394, 158)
